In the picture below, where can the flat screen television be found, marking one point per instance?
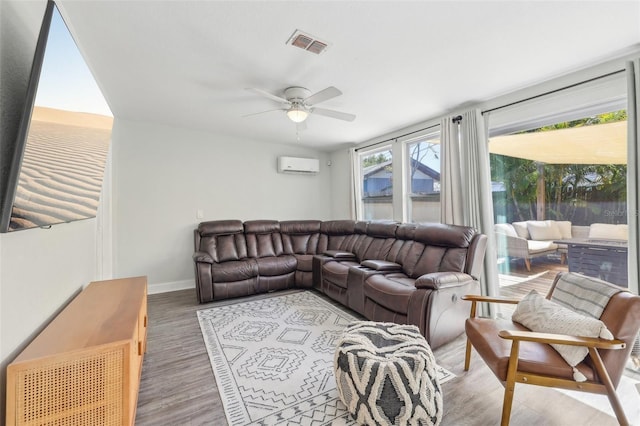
(58, 165)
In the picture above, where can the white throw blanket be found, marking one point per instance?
(586, 295)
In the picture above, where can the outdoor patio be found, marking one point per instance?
(516, 281)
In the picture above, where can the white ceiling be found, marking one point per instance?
(187, 63)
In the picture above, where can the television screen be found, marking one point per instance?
(66, 142)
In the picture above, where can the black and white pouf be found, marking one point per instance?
(386, 375)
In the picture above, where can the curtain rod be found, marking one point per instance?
(397, 137)
(459, 118)
(554, 91)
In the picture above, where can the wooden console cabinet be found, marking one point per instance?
(84, 368)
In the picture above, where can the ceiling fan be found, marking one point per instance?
(298, 103)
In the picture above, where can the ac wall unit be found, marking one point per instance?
(298, 165)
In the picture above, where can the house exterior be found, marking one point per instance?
(377, 179)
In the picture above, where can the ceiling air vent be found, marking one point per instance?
(307, 42)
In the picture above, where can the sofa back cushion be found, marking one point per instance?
(522, 230)
(440, 259)
(358, 241)
(445, 249)
(377, 242)
(505, 229)
(606, 231)
(223, 240)
(263, 238)
(544, 230)
(565, 229)
(300, 236)
(333, 234)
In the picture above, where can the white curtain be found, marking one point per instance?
(476, 190)
(633, 167)
(353, 183)
(451, 208)
(466, 197)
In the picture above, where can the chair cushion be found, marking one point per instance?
(534, 357)
(542, 315)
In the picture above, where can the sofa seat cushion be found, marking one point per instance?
(279, 265)
(336, 272)
(392, 291)
(536, 247)
(234, 270)
(305, 262)
(535, 358)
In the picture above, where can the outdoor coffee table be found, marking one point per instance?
(604, 259)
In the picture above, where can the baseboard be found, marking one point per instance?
(170, 286)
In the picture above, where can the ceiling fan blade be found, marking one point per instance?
(323, 95)
(267, 95)
(333, 114)
(263, 112)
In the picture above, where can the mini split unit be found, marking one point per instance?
(298, 165)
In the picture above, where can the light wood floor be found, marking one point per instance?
(178, 386)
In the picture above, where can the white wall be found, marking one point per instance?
(162, 175)
(40, 269)
(340, 182)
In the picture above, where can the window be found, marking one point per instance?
(376, 171)
(423, 179)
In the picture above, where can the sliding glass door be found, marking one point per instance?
(559, 197)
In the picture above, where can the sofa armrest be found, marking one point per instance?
(442, 280)
(381, 265)
(508, 245)
(339, 254)
(202, 257)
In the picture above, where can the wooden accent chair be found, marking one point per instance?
(517, 355)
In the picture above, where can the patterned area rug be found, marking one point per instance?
(273, 359)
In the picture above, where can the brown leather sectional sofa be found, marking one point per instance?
(403, 273)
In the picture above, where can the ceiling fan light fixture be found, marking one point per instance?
(297, 114)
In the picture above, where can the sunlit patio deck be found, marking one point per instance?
(516, 281)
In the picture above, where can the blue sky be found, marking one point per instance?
(65, 81)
